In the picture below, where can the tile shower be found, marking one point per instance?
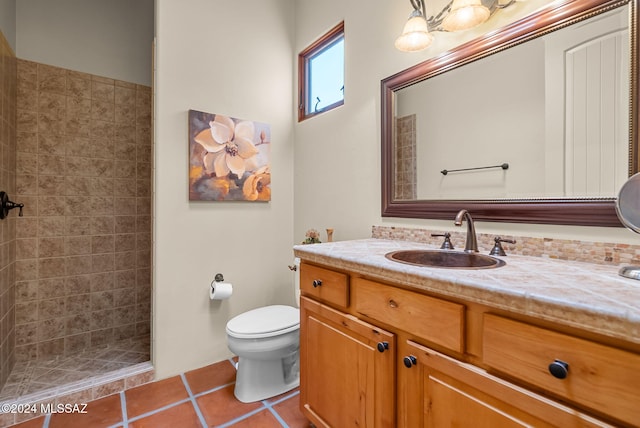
(405, 158)
(78, 263)
(8, 225)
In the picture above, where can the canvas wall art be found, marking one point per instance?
(229, 158)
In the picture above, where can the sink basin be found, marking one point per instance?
(445, 259)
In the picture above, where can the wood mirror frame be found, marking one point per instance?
(568, 211)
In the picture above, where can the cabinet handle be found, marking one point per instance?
(317, 283)
(559, 369)
(383, 346)
(410, 361)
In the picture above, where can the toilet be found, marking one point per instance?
(267, 343)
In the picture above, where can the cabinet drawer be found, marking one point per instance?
(599, 377)
(324, 284)
(432, 319)
(440, 391)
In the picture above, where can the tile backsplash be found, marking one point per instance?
(83, 247)
(562, 249)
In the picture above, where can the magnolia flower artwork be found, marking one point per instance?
(228, 158)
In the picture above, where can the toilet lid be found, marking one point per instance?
(264, 322)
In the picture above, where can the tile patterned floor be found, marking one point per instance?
(35, 376)
(199, 398)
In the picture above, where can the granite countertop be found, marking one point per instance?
(584, 295)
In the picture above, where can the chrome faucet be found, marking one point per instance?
(471, 246)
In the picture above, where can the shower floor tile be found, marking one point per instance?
(34, 376)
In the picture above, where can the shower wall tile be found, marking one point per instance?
(51, 267)
(26, 290)
(78, 86)
(101, 225)
(50, 288)
(78, 265)
(26, 269)
(26, 249)
(51, 206)
(51, 226)
(76, 343)
(8, 183)
(77, 245)
(50, 348)
(77, 285)
(102, 281)
(26, 333)
(50, 78)
(83, 248)
(50, 247)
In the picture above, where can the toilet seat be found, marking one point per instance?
(264, 322)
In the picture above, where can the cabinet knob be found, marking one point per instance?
(410, 361)
(559, 369)
(383, 346)
(317, 283)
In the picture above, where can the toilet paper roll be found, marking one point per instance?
(220, 290)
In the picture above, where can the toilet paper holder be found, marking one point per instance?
(220, 290)
(216, 279)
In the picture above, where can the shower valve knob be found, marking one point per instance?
(316, 283)
(6, 205)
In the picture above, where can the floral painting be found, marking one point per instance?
(228, 158)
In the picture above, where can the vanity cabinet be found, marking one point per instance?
(347, 369)
(383, 355)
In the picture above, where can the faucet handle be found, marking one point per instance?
(497, 249)
(6, 205)
(446, 245)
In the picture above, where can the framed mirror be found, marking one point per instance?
(515, 126)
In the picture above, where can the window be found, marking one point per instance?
(321, 74)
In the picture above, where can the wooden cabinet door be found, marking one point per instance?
(438, 391)
(347, 369)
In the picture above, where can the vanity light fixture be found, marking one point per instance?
(415, 34)
(457, 15)
(465, 14)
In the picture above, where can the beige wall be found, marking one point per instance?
(453, 108)
(232, 58)
(102, 37)
(8, 22)
(337, 157)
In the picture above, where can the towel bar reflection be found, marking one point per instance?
(447, 171)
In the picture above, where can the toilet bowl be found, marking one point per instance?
(267, 342)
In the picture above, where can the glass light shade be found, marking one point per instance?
(465, 14)
(415, 35)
